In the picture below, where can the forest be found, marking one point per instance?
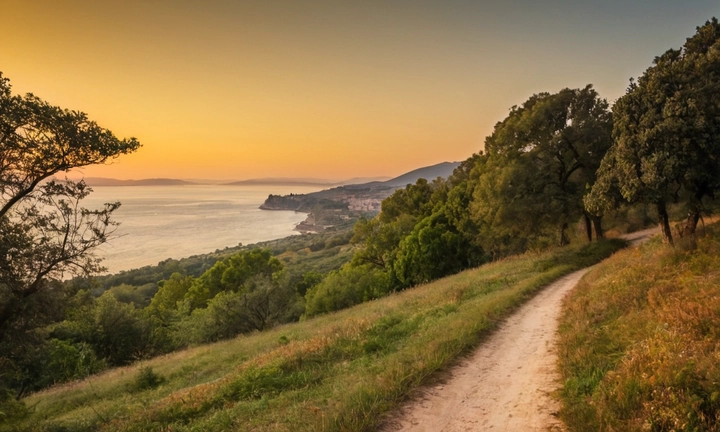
(561, 168)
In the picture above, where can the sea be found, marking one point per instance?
(160, 222)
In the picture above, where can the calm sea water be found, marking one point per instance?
(160, 222)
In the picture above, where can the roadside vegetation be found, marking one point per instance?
(339, 371)
(640, 340)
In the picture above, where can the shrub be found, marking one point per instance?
(147, 379)
(344, 288)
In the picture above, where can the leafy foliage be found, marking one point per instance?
(665, 136)
(432, 250)
(346, 287)
(231, 274)
(540, 160)
(45, 233)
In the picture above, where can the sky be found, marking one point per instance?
(232, 89)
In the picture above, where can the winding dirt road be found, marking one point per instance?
(507, 383)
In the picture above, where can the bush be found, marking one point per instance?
(147, 379)
(263, 304)
(10, 408)
(347, 287)
(68, 361)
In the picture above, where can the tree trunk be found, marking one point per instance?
(597, 222)
(664, 223)
(563, 238)
(692, 222)
(588, 226)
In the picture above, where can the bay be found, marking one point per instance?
(160, 222)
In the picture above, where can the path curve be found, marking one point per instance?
(507, 382)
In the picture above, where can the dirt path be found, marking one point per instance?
(506, 384)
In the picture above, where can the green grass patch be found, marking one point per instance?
(640, 340)
(340, 371)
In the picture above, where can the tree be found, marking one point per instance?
(434, 249)
(45, 234)
(263, 303)
(414, 200)
(380, 237)
(267, 302)
(118, 333)
(541, 160)
(232, 274)
(378, 241)
(346, 287)
(667, 133)
(309, 280)
(162, 312)
(169, 293)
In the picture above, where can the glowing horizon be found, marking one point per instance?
(322, 89)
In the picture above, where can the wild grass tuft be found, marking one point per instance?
(147, 379)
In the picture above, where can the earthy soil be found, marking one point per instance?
(507, 383)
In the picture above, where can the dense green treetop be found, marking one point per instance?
(667, 132)
(232, 274)
(541, 160)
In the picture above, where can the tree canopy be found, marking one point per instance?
(45, 233)
(234, 273)
(540, 161)
(667, 133)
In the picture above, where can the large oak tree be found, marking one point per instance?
(667, 133)
(541, 160)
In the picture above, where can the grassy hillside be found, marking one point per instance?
(640, 340)
(339, 371)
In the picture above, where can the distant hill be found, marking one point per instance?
(282, 181)
(361, 180)
(430, 173)
(364, 197)
(102, 181)
(289, 181)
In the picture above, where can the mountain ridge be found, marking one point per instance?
(105, 181)
(431, 172)
(330, 206)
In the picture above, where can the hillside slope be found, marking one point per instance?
(429, 173)
(640, 340)
(339, 371)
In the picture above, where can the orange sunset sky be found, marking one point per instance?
(324, 89)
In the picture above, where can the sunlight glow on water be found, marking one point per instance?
(160, 222)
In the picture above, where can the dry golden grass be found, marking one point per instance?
(640, 341)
